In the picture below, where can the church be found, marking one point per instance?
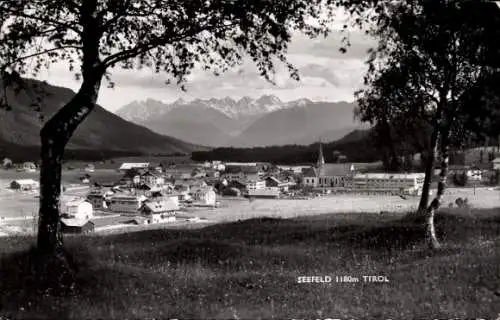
(328, 175)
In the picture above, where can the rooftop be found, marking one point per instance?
(131, 165)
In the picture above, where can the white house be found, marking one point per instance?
(152, 179)
(256, 185)
(29, 167)
(129, 165)
(240, 173)
(126, 203)
(205, 196)
(6, 163)
(496, 163)
(163, 210)
(24, 184)
(89, 168)
(79, 209)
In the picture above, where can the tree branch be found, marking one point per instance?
(145, 47)
(39, 54)
(18, 13)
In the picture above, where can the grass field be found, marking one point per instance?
(249, 269)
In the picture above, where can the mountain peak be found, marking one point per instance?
(269, 99)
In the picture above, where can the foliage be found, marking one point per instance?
(460, 179)
(428, 57)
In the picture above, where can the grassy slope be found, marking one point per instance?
(248, 269)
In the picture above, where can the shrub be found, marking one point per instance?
(460, 179)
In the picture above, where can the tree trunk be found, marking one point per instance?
(49, 231)
(436, 202)
(54, 136)
(431, 158)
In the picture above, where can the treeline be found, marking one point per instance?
(359, 149)
(32, 153)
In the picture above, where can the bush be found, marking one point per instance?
(495, 178)
(460, 179)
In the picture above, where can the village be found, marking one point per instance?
(152, 193)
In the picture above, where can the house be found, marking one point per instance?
(126, 203)
(89, 168)
(140, 166)
(152, 179)
(84, 180)
(24, 185)
(205, 196)
(156, 211)
(273, 182)
(98, 198)
(145, 189)
(213, 174)
(242, 173)
(79, 209)
(29, 167)
(255, 185)
(77, 226)
(6, 163)
(496, 163)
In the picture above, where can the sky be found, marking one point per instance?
(326, 74)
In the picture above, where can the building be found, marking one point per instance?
(77, 226)
(140, 166)
(255, 185)
(242, 173)
(89, 168)
(273, 182)
(205, 196)
(152, 179)
(98, 199)
(79, 209)
(145, 189)
(29, 167)
(496, 163)
(6, 163)
(156, 211)
(400, 183)
(328, 175)
(126, 203)
(263, 193)
(24, 185)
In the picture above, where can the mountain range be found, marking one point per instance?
(245, 122)
(102, 131)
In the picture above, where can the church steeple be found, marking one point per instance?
(321, 159)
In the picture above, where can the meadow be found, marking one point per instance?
(250, 269)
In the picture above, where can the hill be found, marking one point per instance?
(101, 131)
(357, 146)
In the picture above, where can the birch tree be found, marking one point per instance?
(430, 56)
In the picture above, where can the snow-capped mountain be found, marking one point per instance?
(244, 122)
(140, 111)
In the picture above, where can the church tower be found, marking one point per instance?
(321, 159)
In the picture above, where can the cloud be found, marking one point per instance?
(326, 74)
